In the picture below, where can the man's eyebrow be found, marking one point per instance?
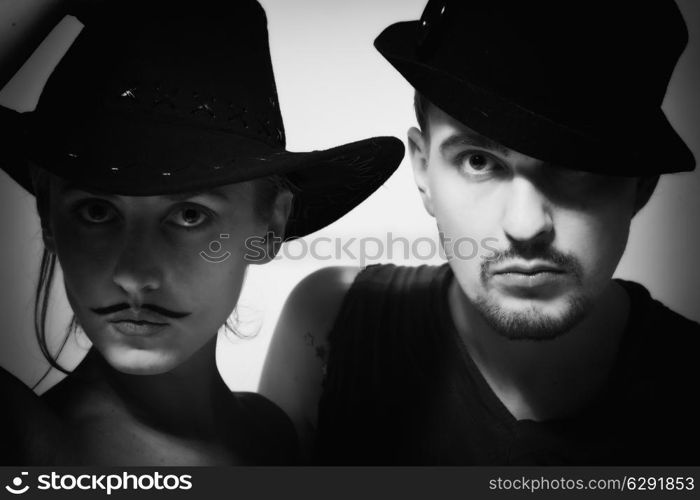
(471, 138)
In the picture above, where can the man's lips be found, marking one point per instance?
(528, 269)
(528, 277)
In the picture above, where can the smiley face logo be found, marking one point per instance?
(17, 488)
(215, 248)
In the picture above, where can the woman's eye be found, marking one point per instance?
(478, 163)
(96, 212)
(189, 217)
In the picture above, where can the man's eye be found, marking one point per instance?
(96, 212)
(190, 217)
(478, 163)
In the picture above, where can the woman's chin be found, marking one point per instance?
(139, 362)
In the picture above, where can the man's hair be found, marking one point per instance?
(421, 104)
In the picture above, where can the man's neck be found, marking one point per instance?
(546, 379)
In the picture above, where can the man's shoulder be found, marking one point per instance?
(659, 335)
(654, 315)
(659, 367)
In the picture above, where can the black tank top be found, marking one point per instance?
(401, 388)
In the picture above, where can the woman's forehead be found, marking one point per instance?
(224, 193)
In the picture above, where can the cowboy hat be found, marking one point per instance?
(170, 96)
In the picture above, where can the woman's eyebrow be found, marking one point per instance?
(471, 138)
(72, 186)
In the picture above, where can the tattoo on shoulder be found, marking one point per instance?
(320, 349)
(309, 339)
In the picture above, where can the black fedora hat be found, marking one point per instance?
(576, 84)
(170, 96)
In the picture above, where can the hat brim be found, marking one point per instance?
(615, 145)
(146, 158)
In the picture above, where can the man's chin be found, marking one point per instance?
(517, 319)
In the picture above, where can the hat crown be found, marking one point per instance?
(549, 54)
(204, 64)
(577, 84)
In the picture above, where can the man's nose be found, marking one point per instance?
(138, 269)
(527, 216)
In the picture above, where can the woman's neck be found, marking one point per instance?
(182, 401)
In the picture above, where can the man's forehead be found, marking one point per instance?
(448, 132)
(470, 137)
(457, 133)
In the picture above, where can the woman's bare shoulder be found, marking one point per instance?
(309, 313)
(317, 298)
(295, 365)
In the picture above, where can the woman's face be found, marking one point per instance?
(151, 279)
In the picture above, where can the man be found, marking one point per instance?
(541, 136)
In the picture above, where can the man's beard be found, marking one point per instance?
(532, 323)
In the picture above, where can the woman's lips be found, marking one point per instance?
(137, 328)
(145, 321)
(140, 316)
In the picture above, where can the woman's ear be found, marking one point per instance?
(418, 149)
(279, 214)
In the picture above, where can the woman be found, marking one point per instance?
(156, 155)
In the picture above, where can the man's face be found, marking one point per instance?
(548, 238)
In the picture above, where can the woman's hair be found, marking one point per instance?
(266, 191)
(41, 184)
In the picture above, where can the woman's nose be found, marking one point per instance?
(138, 268)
